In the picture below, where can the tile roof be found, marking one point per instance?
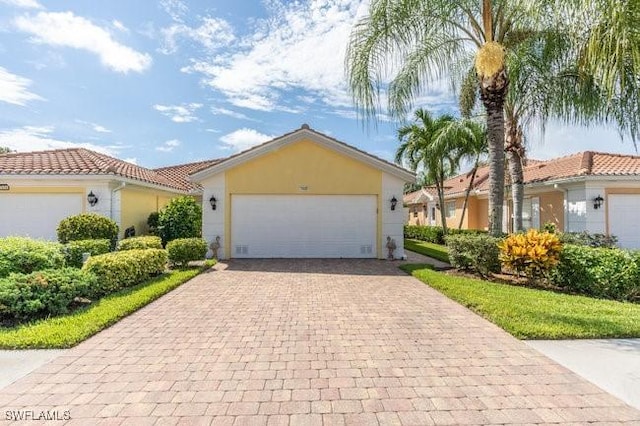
(180, 173)
(587, 163)
(80, 161)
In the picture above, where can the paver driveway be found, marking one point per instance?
(308, 343)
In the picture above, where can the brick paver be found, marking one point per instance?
(317, 342)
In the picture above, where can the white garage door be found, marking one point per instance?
(36, 215)
(623, 219)
(321, 226)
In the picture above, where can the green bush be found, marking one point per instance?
(25, 255)
(74, 250)
(435, 234)
(42, 293)
(599, 272)
(87, 226)
(181, 218)
(141, 243)
(183, 250)
(475, 252)
(586, 239)
(153, 222)
(122, 269)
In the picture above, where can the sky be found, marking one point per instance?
(174, 81)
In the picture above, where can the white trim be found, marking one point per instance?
(295, 136)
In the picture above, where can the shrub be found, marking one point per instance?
(181, 218)
(42, 293)
(183, 250)
(534, 253)
(600, 272)
(153, 223)
(87, 226)
(25, 255)
(74, 250)
(122, 269)
(586, 239)
(140, 243)
(431, 234)
(478, 253)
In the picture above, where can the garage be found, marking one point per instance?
(623, 215)
(303, 226)
(36, 214)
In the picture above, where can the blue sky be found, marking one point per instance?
(173, 81)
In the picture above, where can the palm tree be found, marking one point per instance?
(5, 150)
(424, 145)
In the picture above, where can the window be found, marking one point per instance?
(415, 211)
(450, 208)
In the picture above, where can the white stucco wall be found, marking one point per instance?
(392, 220)
(213, 220)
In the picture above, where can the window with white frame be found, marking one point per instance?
(450, 207)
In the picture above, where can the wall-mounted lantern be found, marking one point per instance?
(597, 202)
(213, 202)
(393, 202)
(92, 199)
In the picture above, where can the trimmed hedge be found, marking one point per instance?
(586, 239)
(42, 293)
(25, 255)
(478, 253)
(435, 234)
(121, 269)
(183, 250)
(140, 243)
(600, 272)
(87, 226)
(74, 250)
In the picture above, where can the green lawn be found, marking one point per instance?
(68, 330)
(535, 314)
(435, 251)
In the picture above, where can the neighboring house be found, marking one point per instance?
(588, 191)
(39, 189)
(303, 194)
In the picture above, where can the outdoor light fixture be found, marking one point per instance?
(213, 202)
(92, 199)
(393, 202)
(597, 202)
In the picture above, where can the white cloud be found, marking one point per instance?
(300, 46)
(132, 160)
(168, 146)
(25, 4)
(183, 113)
(119, 26)
(94, 126)
(212, 34)
(244, 138)
(177, 9)
(230, 113)
(68, 30)
(14, 89)
(37, 138)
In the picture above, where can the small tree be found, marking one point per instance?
(5, 150)
(181, 218)
(87, 226)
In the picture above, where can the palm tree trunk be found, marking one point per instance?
(443, 212)
(514, 150)
(493, 90)
(467, 192)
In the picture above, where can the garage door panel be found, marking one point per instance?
(303, 226)
(623, 218)
(36, 215)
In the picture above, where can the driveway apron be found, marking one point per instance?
(308, 342)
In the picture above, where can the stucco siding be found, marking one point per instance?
(552, 209)
(137, 204)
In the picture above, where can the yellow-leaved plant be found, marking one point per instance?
(533, 253)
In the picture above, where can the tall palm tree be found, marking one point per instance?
(424, 145)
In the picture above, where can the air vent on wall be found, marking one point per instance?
(242, 249)
(366, 249)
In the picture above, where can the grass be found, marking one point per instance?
(68, 330)
(435, 251)
(536, 314)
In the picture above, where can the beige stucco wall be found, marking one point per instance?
(137, 203)
(552, 209)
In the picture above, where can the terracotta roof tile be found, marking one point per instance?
(180, 173)
(79, 161)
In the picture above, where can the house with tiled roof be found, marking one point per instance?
(588, 191)
(38, 189)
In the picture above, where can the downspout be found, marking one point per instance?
(113, 193)
(566, 205)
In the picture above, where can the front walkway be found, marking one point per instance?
(309, 342)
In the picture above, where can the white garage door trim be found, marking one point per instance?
(36, 214)
(623, 218)
(303, 226)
